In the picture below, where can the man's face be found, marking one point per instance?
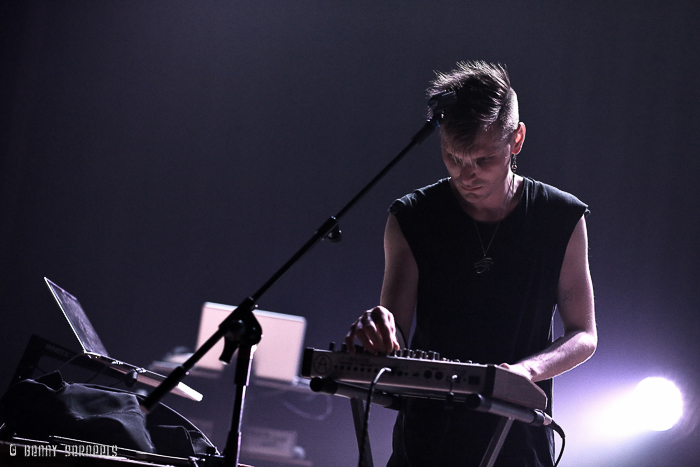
(480, 176)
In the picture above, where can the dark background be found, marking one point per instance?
(157, 155)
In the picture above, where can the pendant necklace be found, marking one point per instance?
(485, 263)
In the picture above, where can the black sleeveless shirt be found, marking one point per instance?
(502, 315)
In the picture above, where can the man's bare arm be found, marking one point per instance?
(376, 329)
(576, 308)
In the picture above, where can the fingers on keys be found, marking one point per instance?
(375, 330)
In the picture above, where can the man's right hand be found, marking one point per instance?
(376, 331)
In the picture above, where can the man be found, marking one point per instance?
(482, 258)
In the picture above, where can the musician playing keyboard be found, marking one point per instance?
(482, 259)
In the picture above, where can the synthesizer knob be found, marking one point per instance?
(431, 355)
(344, 347)
(331, 346)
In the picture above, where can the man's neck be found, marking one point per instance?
(495, 210)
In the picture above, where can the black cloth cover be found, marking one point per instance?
(49, 406)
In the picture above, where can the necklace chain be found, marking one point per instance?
(485, 263)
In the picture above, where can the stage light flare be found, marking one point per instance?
(655, 404)
(659, 402)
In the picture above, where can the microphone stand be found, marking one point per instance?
(242, 330)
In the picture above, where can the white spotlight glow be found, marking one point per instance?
(658, 403)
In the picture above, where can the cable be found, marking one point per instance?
(365, 425)
(449, 405)
(560, 432)
(293, 408)
(98, 373)
(308, 415)
(67, 362)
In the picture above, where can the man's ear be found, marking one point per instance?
(519, 138)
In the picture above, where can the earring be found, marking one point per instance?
(513, 162)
